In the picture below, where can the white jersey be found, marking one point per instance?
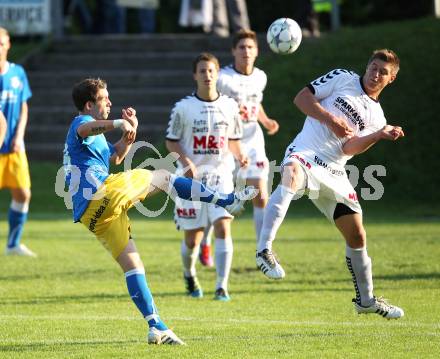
(247, 90)
(203, 129)
(341, 93)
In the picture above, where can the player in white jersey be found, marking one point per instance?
(245, 83)
(204, 129)
(344, 118)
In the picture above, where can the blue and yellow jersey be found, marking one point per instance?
(86, 164)
(14, 90)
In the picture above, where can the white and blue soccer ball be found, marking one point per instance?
(284, 36)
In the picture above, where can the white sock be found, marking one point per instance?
(189, 259)
(258, 221)
(22, 207)
(223, 261)
(274, 214)
(359, 265)
(207, 235)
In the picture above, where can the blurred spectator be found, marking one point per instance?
(146, 13)
(78, 9)
(238, 15)
(109, 17)
(196, 14)
(308, 18)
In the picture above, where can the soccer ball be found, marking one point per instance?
(284, 36)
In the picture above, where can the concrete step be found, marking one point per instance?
(115, 78)
(118, 61)
(142, 42)
(161, 96)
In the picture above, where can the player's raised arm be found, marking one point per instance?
(238, 153)
(356, 145)
(269, 124)
(308, 104)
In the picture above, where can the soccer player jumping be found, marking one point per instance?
(344, 118)
(101, 200)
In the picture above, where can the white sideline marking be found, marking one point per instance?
(387, 323)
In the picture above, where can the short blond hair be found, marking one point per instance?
(388, 56)
(4, 32)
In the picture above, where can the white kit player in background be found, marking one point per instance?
(204, 129)
(344, 118)
(245, 83)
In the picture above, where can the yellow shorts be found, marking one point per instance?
(14, 170)
(106, 215)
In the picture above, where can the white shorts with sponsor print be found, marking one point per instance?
(191, 215)
(326, 186)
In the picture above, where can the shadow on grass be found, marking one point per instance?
(31, 347)
(87, 298)
(80, 273)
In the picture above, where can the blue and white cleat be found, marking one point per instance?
(240, 197)
(156, 336)
(193, 288)
(222, 295)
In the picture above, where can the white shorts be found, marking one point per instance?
(191, 215)
(325, 186)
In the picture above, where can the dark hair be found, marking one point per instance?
(87, 90)
(388, 56)
(244, 34)
(205, 56)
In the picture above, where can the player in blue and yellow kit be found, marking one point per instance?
(14, 169)
(101, 200)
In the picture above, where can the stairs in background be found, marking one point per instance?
(147, 72)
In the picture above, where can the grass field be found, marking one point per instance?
(71, 302)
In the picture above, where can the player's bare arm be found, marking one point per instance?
(18, 140)
(356, 145)
(124, 144)
(269, 124)
(308, 104)
(237, 152)
(189, 167)
(129, 114)
(97, 127)
(3, 127)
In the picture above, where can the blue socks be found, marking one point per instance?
(142, 297)
(193, 190)
(16, 223)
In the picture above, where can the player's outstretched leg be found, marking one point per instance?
(193, 190)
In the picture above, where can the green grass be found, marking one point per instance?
(72, 301)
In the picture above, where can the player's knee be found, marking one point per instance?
(359, 237)
(22, 195)
(293, 176)
(161, 178)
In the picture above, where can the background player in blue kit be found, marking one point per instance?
(14, 169)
